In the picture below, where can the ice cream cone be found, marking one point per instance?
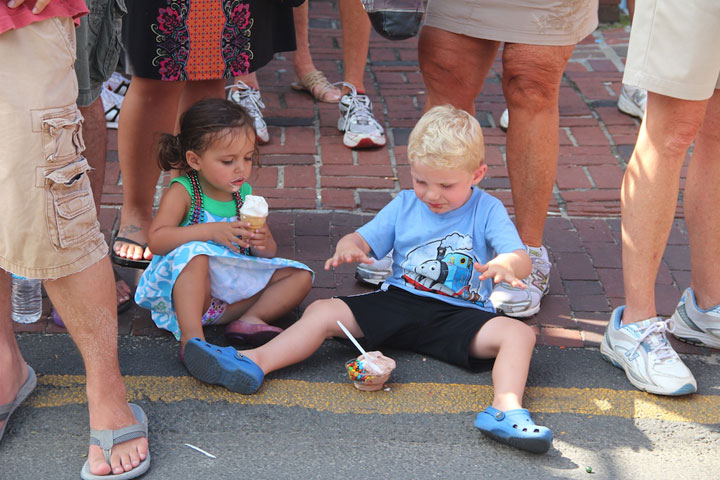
(255, 222)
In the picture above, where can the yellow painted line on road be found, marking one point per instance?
(413, 398)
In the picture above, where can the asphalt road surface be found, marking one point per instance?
(309, 422)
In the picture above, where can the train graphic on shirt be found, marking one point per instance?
(449, 273)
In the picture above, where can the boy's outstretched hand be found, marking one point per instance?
(498, 273)
(351, 248)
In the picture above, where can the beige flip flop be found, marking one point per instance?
(7, 410)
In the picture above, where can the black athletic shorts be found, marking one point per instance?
(399, 319)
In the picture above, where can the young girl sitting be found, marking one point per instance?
(209, 266)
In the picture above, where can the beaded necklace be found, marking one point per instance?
(197, 212)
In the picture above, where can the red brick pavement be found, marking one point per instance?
(319, 190)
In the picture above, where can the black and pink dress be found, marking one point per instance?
(179, 40)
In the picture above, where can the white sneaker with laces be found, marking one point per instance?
(375, 273)
(632, 100)
(694, 325)
(518, 302)
(117, 83)
(249, 97)
(112, 102)
(643, 351)
(358, 122)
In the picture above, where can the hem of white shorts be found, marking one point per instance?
(669, 88)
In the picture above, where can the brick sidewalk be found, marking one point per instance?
(319, 190)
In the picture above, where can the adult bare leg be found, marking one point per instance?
(149, 109)
(92, 323)
(197, 90)
(95, 136)
(702, 217)
(651, 184)
(531, 84)
(12, 365)
(302, 59)
(454, 67)
(356, 41)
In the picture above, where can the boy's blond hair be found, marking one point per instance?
(447, 137)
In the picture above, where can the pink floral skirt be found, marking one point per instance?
(179, 40)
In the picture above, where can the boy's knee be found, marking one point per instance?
(519, 332)
(324, 307)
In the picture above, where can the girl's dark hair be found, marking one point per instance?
(202, 124)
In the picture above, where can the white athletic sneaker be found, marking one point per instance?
(117, 83)
(693, 325)
(505, 120)
(643, 351)
(632, 101)
(358, 122)
(112, 102)
(518, 302)
(249, 98)
(375, 273)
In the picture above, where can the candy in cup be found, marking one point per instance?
(370, 370)
(369, 376)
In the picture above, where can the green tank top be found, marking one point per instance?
(215, 207)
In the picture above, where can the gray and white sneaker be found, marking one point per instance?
(519, 302)
(358, 122)
(632, 100)
(375, 273)
(643, 351)
(694, 325)
(504, 120)
(249, 98)
(112, 103)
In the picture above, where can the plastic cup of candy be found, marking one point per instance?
(365, 377)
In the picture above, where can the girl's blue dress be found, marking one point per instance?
(233, 276)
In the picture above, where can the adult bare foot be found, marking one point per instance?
(122, 290)
(125, 456)
(15, 387)
(318, 86)
(130, 247)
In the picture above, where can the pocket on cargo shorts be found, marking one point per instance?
(70, 208)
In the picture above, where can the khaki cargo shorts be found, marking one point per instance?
(673, 48)
(48, 224)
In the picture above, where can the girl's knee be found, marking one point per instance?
(304, 278)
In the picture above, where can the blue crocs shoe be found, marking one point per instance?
(515, 428)
(222, 366)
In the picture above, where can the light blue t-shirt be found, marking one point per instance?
(433, 254)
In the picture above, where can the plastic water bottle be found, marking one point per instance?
(26, 299)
